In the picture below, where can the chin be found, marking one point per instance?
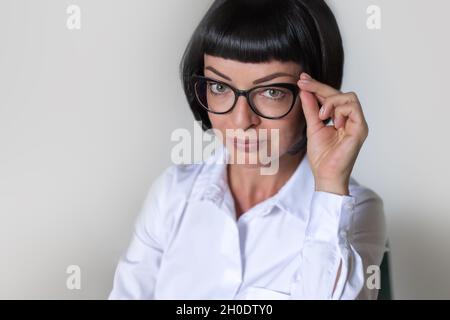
(252, 158)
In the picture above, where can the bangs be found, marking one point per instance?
(259, 32)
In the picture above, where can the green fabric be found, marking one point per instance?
(385, 292)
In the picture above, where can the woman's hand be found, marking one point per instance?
(332, 150)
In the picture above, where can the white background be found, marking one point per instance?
(86, 117)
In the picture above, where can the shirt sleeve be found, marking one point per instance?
(137, 270)
(344, 236)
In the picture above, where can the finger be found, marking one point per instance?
(339, 121)
(348, 112)
(337, 100)
(311, 111)
(321, 99)
(316, 87)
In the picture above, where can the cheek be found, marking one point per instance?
(291, 127)
(219, 123)
(296, 115)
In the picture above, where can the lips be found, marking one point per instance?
(245, 144)
(246, 141)
(242, 141)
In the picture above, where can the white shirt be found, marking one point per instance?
(187, 243)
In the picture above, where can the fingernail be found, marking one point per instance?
(305, 76)
(305, 81)
(322, 110)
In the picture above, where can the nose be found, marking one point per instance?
(243, 116)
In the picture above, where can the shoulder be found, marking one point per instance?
(363, 193)
(365, 196)
(368, 215)
(165, 200)
(176, 180)
(173, 186)
(182, 181)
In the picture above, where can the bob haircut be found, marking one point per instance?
(302, 31)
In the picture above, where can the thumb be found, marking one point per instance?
(311, 111)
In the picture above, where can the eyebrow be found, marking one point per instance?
(261, 80)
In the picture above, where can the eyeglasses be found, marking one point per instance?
(272, 101)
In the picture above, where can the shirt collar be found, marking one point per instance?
(296, 194)
(294, 197)
(212, 181)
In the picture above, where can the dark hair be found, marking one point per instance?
(302, 31)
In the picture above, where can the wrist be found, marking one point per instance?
(334, 186)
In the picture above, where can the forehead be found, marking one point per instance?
(238, 70)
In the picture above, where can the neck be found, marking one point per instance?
(249, 187)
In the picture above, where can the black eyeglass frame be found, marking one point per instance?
(246, 93)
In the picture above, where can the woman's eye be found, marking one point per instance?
(273, 93)
(217, 88)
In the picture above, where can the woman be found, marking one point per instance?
(223, 230)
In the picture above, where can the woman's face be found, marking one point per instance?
(245, 76)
